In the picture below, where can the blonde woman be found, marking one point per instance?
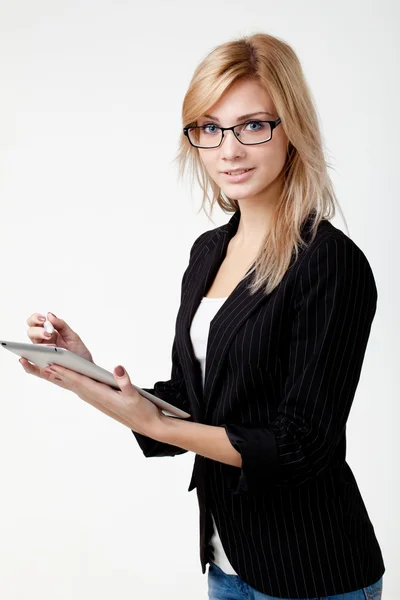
(275, 315)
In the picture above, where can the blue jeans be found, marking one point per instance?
(231, 587)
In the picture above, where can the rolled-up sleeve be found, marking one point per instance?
(334, 306)
(174, 392)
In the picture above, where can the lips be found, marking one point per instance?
(244, 176)
(237, 171)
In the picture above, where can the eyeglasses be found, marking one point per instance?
(211, 135)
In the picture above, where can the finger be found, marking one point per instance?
(36, 331)
(82, 385)
(124, 382)
(71, 379)
(121, 376)
(98, 395)
(62, 380)
(38, 335)
(68, 334)
(34, 369)
(52, 376)
(29, 367)
(35, 319)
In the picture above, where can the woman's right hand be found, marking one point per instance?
(63, 336)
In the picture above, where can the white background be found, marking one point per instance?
(96, 228)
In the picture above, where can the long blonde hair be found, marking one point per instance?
(307, 187)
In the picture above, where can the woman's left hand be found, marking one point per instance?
(126, 406)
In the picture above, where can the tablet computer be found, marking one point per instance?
(43, 354)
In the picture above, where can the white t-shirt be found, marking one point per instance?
(199, 329)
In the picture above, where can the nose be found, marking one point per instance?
(230, 144)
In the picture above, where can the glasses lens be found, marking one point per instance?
(208, 136)
(253, 132)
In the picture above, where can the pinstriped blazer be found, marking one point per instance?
(281, 374)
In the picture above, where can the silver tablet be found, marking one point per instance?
(42, 355)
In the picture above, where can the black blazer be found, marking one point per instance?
(281, 374)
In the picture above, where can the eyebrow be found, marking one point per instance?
(241, 117)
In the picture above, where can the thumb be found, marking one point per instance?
(124, 381)
(121, 376)
(129, 392)
(62, 328)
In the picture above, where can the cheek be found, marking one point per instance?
(277, 153)
(210, 166)
(281, 148)
(209, 162)
(272, 160)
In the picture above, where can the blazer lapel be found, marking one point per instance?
(238, 307)
(199, 281)
(230, 317)
(234, 311)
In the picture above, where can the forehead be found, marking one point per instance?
(260, 114)
(244, 99)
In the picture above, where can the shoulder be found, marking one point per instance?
(333, 255)
(329, 238)
(202, 242)
(209, 238)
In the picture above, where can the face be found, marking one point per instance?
(266, 160)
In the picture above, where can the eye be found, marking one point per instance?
(209, 125)
(255, 123)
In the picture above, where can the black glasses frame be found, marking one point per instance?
(272, 124)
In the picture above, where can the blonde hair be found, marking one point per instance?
(307, 187)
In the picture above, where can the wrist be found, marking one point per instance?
(161, 428)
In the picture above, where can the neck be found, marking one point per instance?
(256, 215)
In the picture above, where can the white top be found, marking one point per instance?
(199, 329)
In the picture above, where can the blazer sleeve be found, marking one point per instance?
(173, 390)
(334, 306)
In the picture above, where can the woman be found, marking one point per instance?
(275, 315)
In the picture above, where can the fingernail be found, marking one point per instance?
(120, 371)
(48, 335)
(42, 318)
(50, 313)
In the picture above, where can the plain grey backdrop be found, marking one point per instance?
(96, 228)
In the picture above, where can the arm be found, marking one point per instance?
(206, 440)
(173, 390)
(334, 308)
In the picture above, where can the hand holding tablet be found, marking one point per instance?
(69, 351)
